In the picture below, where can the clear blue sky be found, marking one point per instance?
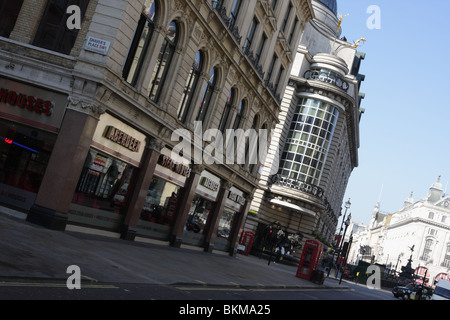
(405, 129)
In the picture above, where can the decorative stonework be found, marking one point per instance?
(88, 107)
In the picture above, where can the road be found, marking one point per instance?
(52, 290)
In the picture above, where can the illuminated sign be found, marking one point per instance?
(31, 103)
(12, 142)
(179, 168)
(121, 138)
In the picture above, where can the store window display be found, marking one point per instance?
(24, 155)
(103, 189)
(160, 202)
(196, 223)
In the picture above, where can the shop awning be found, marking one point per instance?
(293, 206)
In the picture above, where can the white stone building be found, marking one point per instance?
(315, 144)
(420, 229)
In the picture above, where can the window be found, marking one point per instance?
(427, 250)
(274, 4)
(53, 33)
(446, 262)
(431, 215)
(256, 153)
(250, 154)
(139, 46)
(310, 134)
(191, 84)
(271, 67)
(9, 10)
(227, 110)
(280, 74)
(163, 63)
(24, 156)
(286, 18)
(234, 13)
(207, 95)
(250, 35)
(443, 219)
(239, 115)
(105, 183)
(291, 35)
(258, 52)
(159, 202)
(217, 4)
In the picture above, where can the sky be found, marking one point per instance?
(404, 132)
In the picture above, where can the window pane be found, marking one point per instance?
(9, 10)
(53, 33)
(163, 62)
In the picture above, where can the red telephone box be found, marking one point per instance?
(309, 261)
(245, 243)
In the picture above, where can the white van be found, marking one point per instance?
(442, 291)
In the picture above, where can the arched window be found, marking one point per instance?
(163, 63)
(207, 95)
(250, 146)
(191, 84)
(239, 115)
(227, 110)
(257, 147)
(141, 40)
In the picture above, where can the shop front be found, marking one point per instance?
(234, 204)
(109, 172)
(197, 223)
(159, 210)
(30, 118)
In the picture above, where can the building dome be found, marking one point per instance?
(331, 4)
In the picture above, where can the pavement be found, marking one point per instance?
(29, 251)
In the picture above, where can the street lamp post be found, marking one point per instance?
(346, 256)
(347, 223)
(347, 206)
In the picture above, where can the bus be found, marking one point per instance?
(442, 290)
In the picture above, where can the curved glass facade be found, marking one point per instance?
(308, 141)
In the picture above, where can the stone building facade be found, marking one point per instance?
(90, 115)
(315, 144)
(419, 230)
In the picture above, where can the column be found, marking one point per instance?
(238, 225)
(137, 200)
(64, 169)
(184, 204)
(214, 219)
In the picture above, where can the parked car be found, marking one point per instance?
(405, 292)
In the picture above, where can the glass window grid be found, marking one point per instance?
(305, 150)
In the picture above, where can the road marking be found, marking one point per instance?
(210, 289)
(206, 288)
(54, 285)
